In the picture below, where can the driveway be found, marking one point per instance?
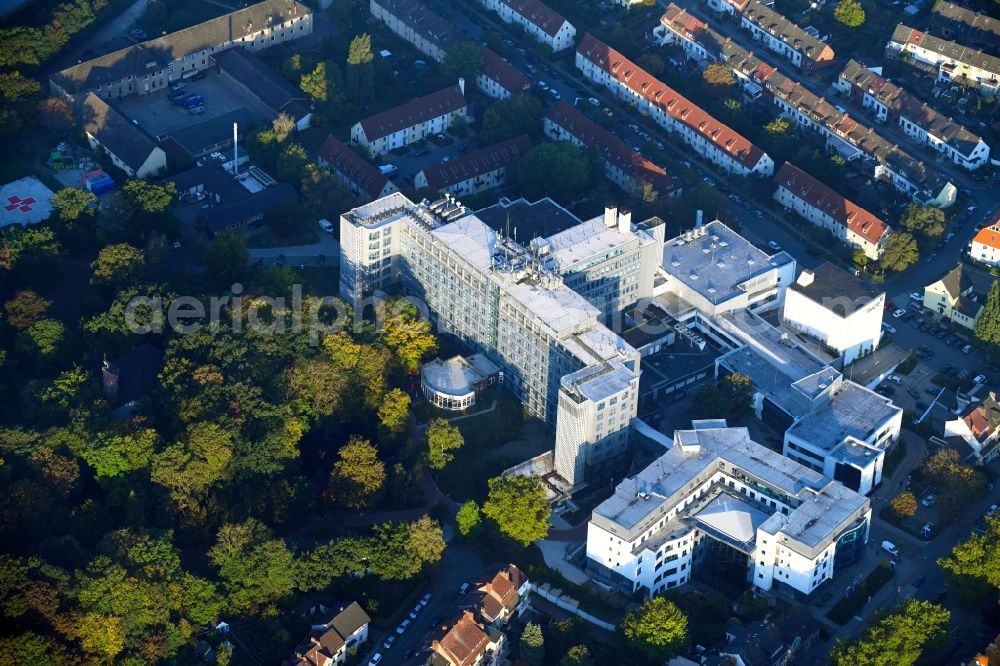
(326, 252)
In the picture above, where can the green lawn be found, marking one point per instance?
(484, 456)
(848, 607)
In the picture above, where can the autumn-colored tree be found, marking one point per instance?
(904, 504)
(358, 473)
(442, 438)
(395, 411)
(25, 308)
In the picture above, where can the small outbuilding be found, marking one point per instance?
(453, 384)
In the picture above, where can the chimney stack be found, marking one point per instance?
(610, 216)
(461, 84)
(625, 221)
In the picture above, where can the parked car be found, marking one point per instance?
(916, 296)
(899, 313)
(890, 548)
(464, 588)
(326, 226)
(608, 112)
(415, 612)
(555, 93)
(709, 181)
(895, 379)
(967, 349)
(403, 626)
(979, 379)
(913, 392)
(927, 530)
(773, 245)
(376, 659)
(594, 101)
(424, 599)
(388, 642)
(929, 500)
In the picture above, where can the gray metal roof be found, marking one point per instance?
(852, 411)
(124, 139)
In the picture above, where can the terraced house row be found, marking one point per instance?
(890, 103)
(848, 137)
(711, 138)
(433, 35)
(954, 61)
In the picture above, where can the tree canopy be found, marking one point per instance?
(463, 59)
(511, 117)
(657, 629)
(979, 556)
(904, 504)
(559, 170)
(850, 13)
(988, 325)
(896, 638)
(927, 221)
(518, 506)
(900, 251)
(442, 438)
(358, 474)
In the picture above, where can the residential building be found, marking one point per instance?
(853, 141)
(416, 23)
(235, 202)
(475, 172)
(889, 102)
(331, 643)
(965, 26)
(830, 305)
(985, 245)
(955, 63)
(504, 595)
(509, 303)
(156, 63)
(623, 166)
(820, 205)
(363, 180)
(540, 22)
(411, 122)
(499, 79)
(773, 642)
(252, 75)
(976, 430)
(719, 504)
(125, 143)
(784, 37)
(710, 138)
(731, 7)
(469, 643)
(959, 296)
(681, 28)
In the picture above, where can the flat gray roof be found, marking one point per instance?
(537, 219)
(852, 411)
(714, 260)
(831, 282)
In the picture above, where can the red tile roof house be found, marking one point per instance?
(414, 22)
(475, 172)
(540, 21)
(785, 37)
(499, 79)
(820, 205)
(411, 122)
(364, 181)
(712, 139)
(503, 595)
(469, 643)
(622, 165)
(979, 428)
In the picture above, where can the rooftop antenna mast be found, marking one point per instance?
(236, 150)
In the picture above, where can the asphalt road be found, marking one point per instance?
(459, 564)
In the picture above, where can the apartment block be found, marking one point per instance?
(363, 180)
(477, 171)
(499, 79)
(128, 146)
(817, 203)
(721, 503)
(623, 166)
(955, 63)
(784, 37)
(416, 23)
(540, 22)
(712, 139)
(509, 303)
(965, 26)
(889, 102)
(831, 306)
(411, 122)
(156, 63)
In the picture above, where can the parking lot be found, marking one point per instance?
(159, 116)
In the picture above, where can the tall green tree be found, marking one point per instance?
(904, 505)
(394, 412)
(979, 556)
(927, 221)
(409, 338)
(292, 163)
(578, 655)
(850, 13)
(897, 638)
(467, 518)
(226, 258)
(900, 252)
(518, 506)
(511, 117)
(717, 75)
(988, 325)
(118, 266)
(657, 629)
(736, 390)
(360, 75)
(958, 484)
(559, 170)
(358, 473)
(463, 59)
(442, 438)
(532, 645)
(257, 569)
(71, 203)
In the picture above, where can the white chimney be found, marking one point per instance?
(625, 221)
(610, 216)
(461, 84)
(806, 278)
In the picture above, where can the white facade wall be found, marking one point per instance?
(821, 219)
(974, 159)
(772, 43)
(985, 253)
(852, 336)
(563, 39)
(404, 137)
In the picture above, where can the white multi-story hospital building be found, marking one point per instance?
(719, 501)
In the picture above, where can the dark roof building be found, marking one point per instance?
(129, 378)
(258, 79)
(966, 26)
(500, 79)
(523, 219)
(232, 204)
(330, 643)
(623, 166)
(127, 144)
(364, 180)
(475, 168)
(143, 67)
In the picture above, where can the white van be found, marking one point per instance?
(888, 328)
(890, 548)
(388, 169)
